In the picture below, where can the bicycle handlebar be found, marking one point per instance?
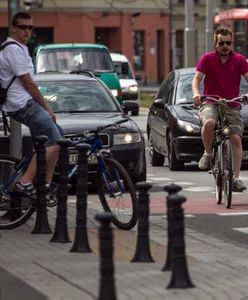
(220, 100)
(89, 133)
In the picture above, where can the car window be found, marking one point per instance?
(75, 59)
(77, 96)
(243, 86)
(123, 70)
(166, 90)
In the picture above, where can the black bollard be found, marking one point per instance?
(41, 225)
(180, 275)
(81, 243)
(61, 230)
(107, 281)
(142, 252)
(170, 189)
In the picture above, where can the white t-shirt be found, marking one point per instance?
(15, 60)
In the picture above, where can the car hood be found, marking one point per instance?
(72, 123)
(187, 113)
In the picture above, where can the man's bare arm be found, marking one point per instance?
(196, 87)
(33, 90)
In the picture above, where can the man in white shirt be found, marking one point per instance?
(25, 103)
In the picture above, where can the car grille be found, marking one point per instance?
(104, 137)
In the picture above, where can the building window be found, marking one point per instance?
(138, 50)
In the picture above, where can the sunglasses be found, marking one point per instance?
(25, 27)
(228, 43)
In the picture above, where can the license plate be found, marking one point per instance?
(73, 158)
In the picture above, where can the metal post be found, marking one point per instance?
(15, 139)
(189, 35)
(209, 24)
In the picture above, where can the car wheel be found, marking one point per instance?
(135, 112)
(156, 159)
(174, 163)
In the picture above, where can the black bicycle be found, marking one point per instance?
(222, 157)
(114, 185)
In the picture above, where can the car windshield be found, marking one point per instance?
(123, 70)
(184, 89)
(68, 60)
(77, 96)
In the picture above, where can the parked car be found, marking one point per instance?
(75, 58)
(83, 102)
(173, 126)
(129, 85)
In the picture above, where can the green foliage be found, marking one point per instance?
(146, 99)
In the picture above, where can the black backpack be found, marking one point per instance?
(3, 92)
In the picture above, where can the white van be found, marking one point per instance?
(129, 85)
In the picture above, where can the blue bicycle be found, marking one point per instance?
(114, 185)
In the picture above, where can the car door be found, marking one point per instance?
(160, 113)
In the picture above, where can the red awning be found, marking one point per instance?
(231, 14)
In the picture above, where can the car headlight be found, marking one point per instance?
(126, 138)
(189, 127)
(114, 93)
(133, 89)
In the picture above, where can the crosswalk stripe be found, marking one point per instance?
(241, 213)
(241, 229)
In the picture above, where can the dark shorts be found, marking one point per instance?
(38, 120)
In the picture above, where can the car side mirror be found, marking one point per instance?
(129, 106)
(159, 103)
(124, 68)
(138, 77)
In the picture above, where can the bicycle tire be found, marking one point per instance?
(227, 172)
(216, 169)
(124, 209)
(17, 210)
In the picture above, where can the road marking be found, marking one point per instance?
(241, 229)
(199, 189)
(241, 213)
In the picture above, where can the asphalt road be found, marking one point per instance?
(201, 211)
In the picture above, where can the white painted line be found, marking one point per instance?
(198, 189)
(160, 178)
(242, 229)
(241, 213)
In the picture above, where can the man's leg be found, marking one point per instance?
(207, 134)
(51, 160)
(237, 153)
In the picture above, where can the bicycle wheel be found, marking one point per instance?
(122, 202)
(227, 172)
(14, 209)
(216, 169)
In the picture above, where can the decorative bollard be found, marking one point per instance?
(81, 243)
(107, 282)
(170, 189)
(180, 276)
(61, 230)
(142, 252)
(41, 225)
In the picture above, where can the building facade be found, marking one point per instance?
(149, 33)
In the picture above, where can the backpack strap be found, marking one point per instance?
(6, 127)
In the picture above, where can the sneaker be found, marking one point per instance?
(238, 185)
(26, 189)
(204, 162)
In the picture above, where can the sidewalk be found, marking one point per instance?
(33, 268)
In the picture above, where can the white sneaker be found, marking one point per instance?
(204, 162)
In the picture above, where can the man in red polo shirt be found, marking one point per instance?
(222, 70)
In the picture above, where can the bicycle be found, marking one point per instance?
(222, 159)
(114, 185)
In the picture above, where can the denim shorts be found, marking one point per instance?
(233, 115)
(39, 122)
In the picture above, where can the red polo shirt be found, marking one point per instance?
(222, 79)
